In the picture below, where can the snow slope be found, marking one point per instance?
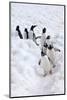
(26, 75)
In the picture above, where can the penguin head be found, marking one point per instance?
(26, 30)
(44, 30)
(32, 27)
(17, 27)
(45, 45)
(48, 37)
(50, 47)
(42, 53)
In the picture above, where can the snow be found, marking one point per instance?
(26, 75)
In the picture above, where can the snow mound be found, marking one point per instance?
(26, 74)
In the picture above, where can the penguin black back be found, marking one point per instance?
(19, 32)
(32, 27)
(27, 34)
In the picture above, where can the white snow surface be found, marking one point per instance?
(26, 75)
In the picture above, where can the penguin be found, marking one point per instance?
(51, 54)
(31, 33)
(43, 37)
(19, 32)
(49, 42)
(45, 64)
(26, 34)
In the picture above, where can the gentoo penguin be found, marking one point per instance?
(31, 32)
(45, 64)
(26, 34)
(51, 54)
(43, 37)
(49, 42)
(19, 32)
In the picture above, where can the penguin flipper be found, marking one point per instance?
(36, 43)
(39, 62)
(38, 37)
(56, 49)
(51, 61)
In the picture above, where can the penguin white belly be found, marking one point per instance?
(43, 39)
(24, 35)
(31, 35)
(51, 55)
(44, 49)
(48, 41)
(45, 64)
